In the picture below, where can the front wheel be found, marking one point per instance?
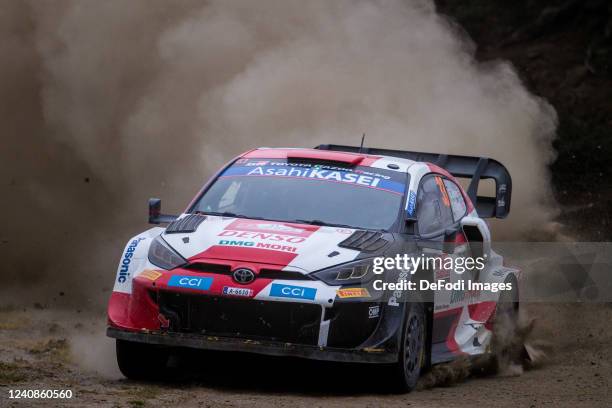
(412, 353)
(141, 361)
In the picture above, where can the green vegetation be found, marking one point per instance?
(11, 373)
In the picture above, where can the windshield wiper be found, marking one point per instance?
(324, 223)
(219, 214)
(331, 224)
(231, 215)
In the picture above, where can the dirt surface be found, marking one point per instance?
(45, 349)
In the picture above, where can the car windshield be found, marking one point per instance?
(273, 189)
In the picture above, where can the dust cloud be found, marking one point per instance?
(104, 104)
(93, 352)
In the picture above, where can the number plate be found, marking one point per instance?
(228, 290)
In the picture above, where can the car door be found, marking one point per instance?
(438, 220)
(434, 223)
(473, 238)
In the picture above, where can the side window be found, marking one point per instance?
(433, 206)
(456, 199)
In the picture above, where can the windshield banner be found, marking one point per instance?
(357, 176)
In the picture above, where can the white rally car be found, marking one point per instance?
(274, 256)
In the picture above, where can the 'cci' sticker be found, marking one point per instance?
(289, 291)
(191, 282)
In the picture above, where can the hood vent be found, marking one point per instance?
(186, 224)
(367, 241)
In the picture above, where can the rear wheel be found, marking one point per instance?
(141, 361)
(412, 353)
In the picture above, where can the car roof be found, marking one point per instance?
(377, 161)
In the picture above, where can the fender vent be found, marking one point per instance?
(186, 224)
(367, 241)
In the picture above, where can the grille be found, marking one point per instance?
(209, 267)
(263, 273)
(250, 319)
(286, 275)
(368, 241)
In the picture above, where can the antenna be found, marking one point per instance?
(361, 146)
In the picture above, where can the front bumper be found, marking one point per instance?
(364, 355)
(326, 327)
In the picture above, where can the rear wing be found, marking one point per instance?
(474, 168)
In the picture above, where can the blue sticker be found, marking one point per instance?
(127, 259)
(191, 282)
(411, 203)
(289, 291)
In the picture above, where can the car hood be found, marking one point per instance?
(298, 247)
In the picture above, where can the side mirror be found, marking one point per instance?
(155, 215)
(450, 235)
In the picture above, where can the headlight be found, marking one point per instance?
(347, 274)
(160, 254)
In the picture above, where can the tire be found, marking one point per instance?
(141, 361)
(412, 359)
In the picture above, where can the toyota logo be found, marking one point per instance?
(243, 276)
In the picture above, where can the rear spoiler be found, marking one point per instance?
(474, 168)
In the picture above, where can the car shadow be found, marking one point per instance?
(250, 372)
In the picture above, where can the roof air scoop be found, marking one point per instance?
(332, 158)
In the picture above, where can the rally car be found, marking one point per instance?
(274, 256)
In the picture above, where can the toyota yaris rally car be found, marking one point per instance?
(275, 256)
